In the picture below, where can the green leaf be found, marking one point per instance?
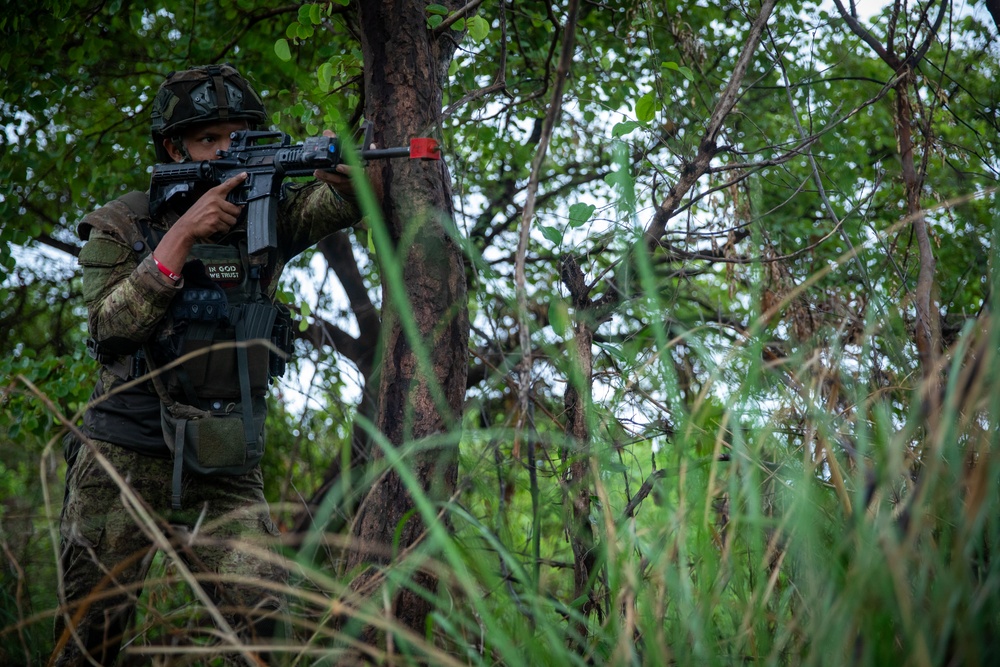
(282, 51)
(434, 21)
(622, 180)
(458, 25)
(559, 316)
(617, 177)
(623, 128)
(552, 234)
(306, 31)
(440, 10)
(645, 108)
(579, 214)
(304, 312)
(325, 74)
(685, 71)
(479, 28)
(613, 351)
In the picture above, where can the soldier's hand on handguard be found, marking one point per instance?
(339, 178)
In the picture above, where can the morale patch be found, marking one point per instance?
(224, 271)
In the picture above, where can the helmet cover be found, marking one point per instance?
(203, 94)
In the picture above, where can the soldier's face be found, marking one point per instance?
(205, 141)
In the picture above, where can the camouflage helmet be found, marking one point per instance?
(202, 94)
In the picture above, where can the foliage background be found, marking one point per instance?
(771, 471)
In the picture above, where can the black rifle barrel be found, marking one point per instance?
(377, 153)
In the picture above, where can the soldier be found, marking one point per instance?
(161, 285)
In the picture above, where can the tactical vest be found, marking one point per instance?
(221, 343)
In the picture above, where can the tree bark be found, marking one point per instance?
(405, 65)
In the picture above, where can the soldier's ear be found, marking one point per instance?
(176, 154)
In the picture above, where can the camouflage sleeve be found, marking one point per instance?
(125, 298)
(311, 211)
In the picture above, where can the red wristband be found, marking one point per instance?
(165, 271)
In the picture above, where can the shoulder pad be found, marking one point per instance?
(118, 218)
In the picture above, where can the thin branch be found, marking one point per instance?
(838, 223)
(554, 111)
(254, 20)
(455, 16)
(869, 39)
(643, 491)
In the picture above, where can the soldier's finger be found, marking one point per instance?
(227, 218)
(230, 216)
(230, 184)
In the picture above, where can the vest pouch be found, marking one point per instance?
(216, 445)
(211, 370)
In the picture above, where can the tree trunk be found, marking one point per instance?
(926, 332)
(580, 486)
(578, 401)
(404, 67)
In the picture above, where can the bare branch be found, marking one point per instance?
(867, 37)
(708, 146)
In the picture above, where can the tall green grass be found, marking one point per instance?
(810, 509)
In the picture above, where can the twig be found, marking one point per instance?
(454, 16)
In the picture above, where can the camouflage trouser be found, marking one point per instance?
(106, 553)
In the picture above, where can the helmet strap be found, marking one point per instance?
(178, 143)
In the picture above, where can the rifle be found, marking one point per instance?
(267, 165)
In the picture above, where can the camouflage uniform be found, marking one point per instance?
(105, 551)
(103, 546)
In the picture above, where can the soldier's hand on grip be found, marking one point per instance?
(212, 213)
